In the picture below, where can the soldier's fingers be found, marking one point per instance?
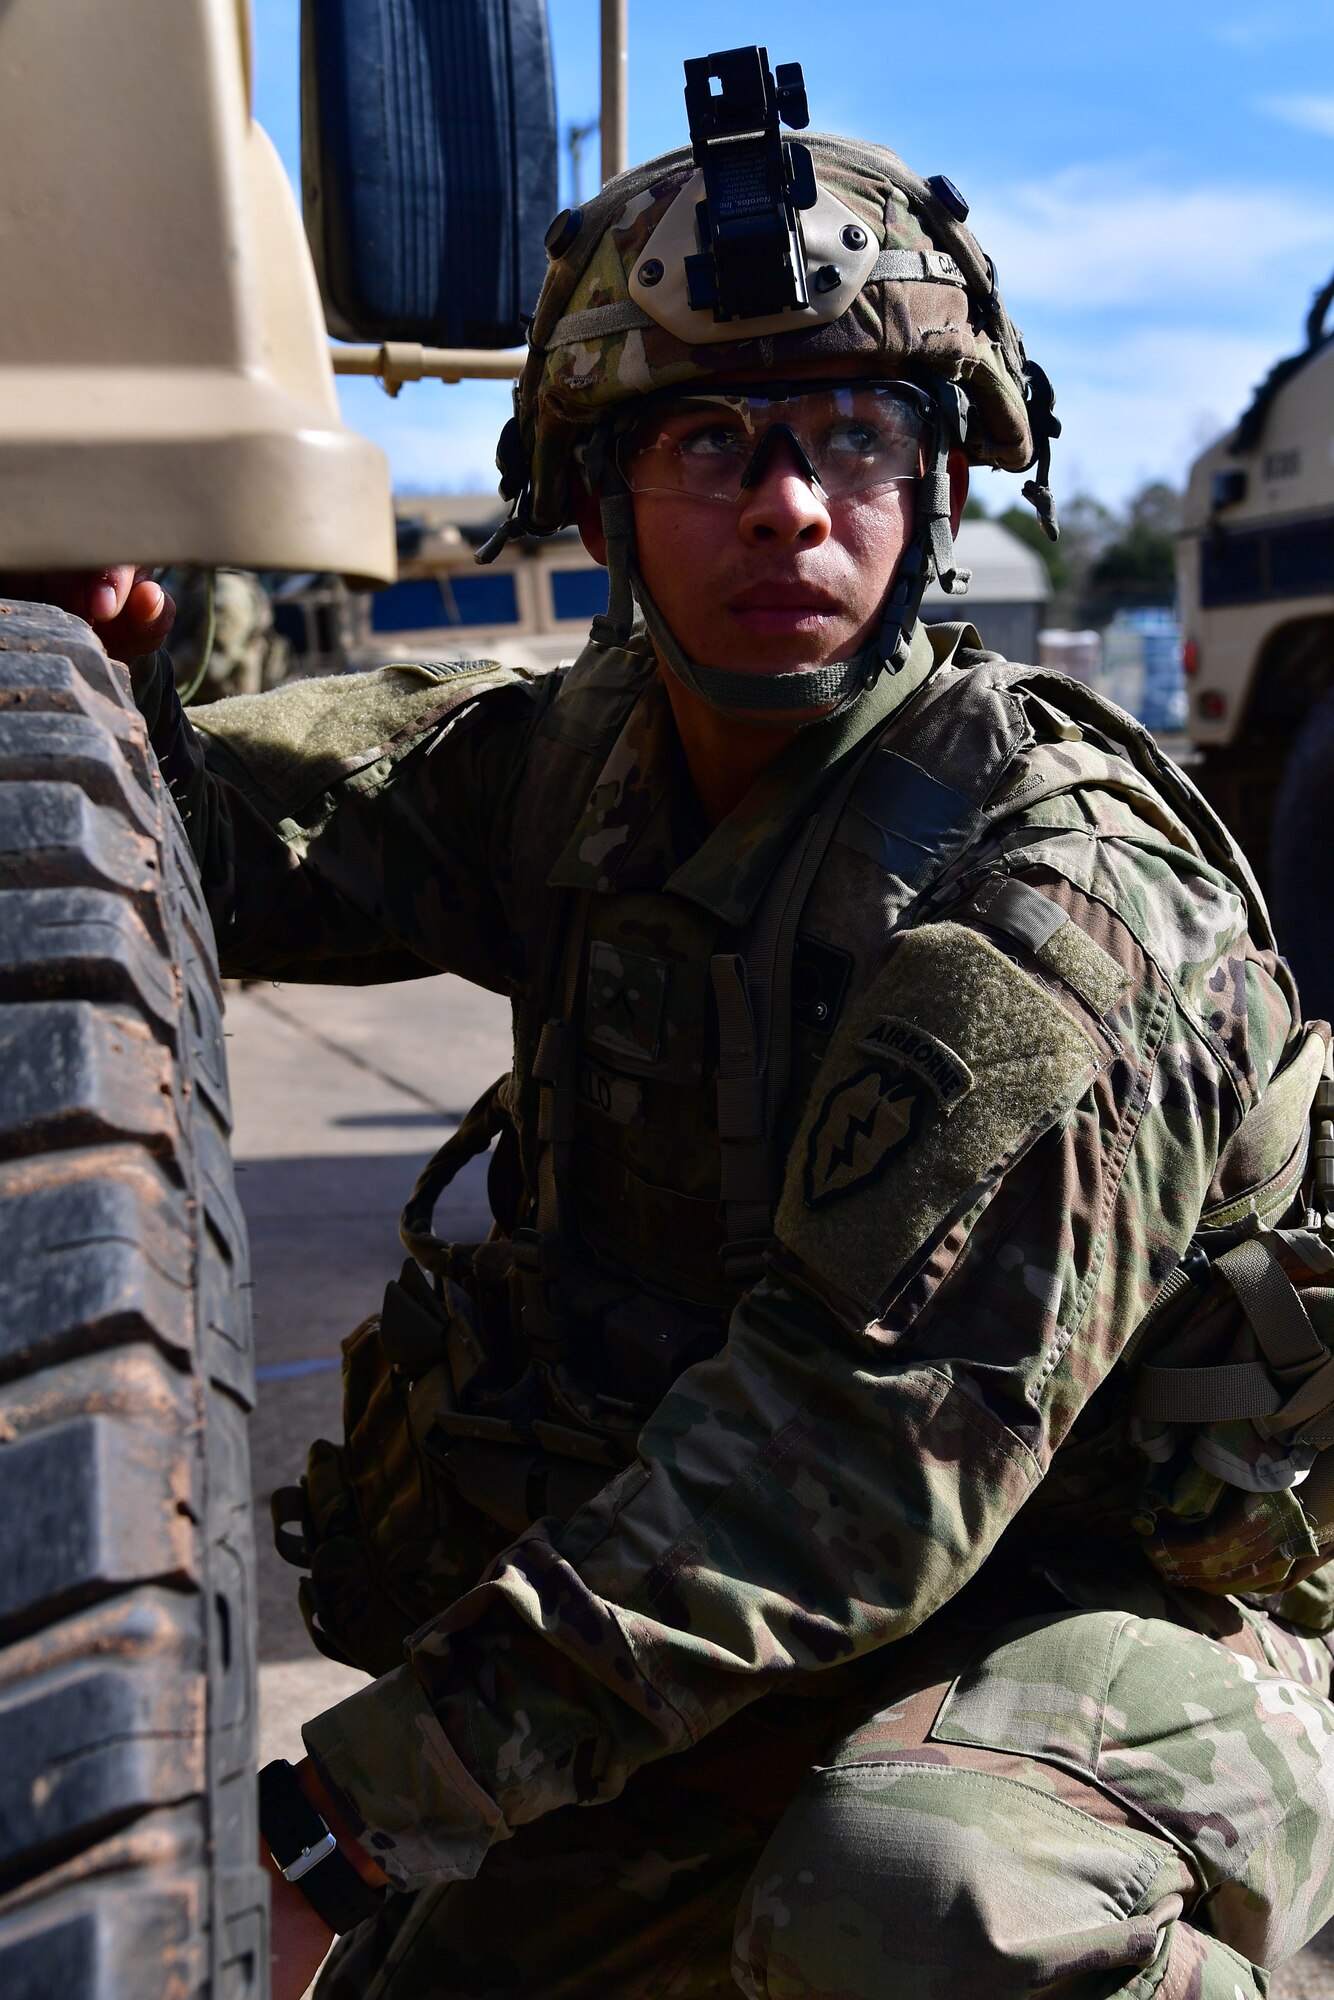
(143, 623)
(93, 594)
(107, 591)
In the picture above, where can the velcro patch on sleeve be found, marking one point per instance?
(1093, 972)
(1044, 928)
(947, 1066)
(304, 737)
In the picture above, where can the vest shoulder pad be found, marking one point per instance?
(301, 739)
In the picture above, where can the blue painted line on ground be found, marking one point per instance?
(289, 1371)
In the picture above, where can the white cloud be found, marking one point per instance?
(1307, 113)
(1100, 236)
(1253, 31)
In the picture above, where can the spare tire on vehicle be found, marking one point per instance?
(128, 1844)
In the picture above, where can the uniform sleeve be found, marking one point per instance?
(1005, 1153)
(350, 829)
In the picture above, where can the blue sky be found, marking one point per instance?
(1154, 182)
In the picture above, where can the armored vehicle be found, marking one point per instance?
(167, 397)
(1256, 579)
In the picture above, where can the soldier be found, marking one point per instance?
(885, 1020)
(223, 640)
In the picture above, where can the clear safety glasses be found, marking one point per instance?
(846, 438)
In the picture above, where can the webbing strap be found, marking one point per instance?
(753, 997)
(896, 266)
(747, 1176)
(753, 994)
(1205, 1395)
(1310, 1401)
(622, 317)
(473, 1136)
(614, 626)
(1224, 1392)
(1273, 1306)
(538, 1248)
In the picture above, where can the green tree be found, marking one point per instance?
(1138, 565)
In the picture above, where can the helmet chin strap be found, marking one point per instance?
(810, 694)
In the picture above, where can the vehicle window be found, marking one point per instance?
(579, 593)
(429, 603)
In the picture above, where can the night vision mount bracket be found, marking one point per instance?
(751, 261)
(752, 236)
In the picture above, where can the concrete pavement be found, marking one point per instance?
(341, 1094)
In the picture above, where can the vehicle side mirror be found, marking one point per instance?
(428, 165)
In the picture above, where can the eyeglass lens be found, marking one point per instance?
(855, 440)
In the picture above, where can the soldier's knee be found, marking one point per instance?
(915, 1879)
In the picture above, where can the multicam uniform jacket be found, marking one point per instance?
(1026, 1015)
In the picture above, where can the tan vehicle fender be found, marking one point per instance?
(165, 387)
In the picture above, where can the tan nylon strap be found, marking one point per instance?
(789, 900)
(1271, 1303)
(479, 1127)
(738, 1043)
(546, 1060)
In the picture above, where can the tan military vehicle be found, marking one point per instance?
(1256, 580)
(167, 397)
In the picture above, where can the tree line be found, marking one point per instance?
(1106, 560)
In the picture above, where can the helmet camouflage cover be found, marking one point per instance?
(928, 305)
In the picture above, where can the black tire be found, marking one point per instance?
(128, 1708)
(1301, 861)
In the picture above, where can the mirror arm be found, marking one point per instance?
(395, 362)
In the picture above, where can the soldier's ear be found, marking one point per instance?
(588, 519)
(958, 471)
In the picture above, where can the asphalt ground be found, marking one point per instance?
(341, 1094)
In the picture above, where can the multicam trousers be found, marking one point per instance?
(1082, 1804)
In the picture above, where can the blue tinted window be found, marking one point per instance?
(408, 607)
(480, 600)
(429, 603)
(579, 593)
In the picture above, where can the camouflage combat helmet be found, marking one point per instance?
(890, 270)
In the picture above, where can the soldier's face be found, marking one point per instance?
(782, 578)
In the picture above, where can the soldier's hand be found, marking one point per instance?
(128, 611)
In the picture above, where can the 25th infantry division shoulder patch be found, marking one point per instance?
(864, 1121)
